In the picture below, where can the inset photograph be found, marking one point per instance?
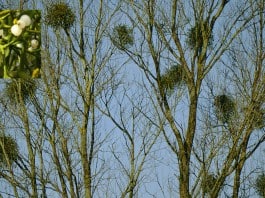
(20, 44)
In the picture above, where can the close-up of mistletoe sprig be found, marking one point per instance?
(20, 42)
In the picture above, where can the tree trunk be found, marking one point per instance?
(184, 177)
(185, 153)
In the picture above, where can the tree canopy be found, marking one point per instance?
(136, 98)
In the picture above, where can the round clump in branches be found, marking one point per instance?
(258, 118)
(122, 36)
(173, 77)
(60, 15)
(197, 34)
(260, 185)
(20, 89)
(8, 150)
(208, 182)
(225, 107)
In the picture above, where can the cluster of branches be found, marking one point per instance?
(95, 127)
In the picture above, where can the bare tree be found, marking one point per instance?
(58, 122)
(133, 117)
(84, 131)
(191, 38)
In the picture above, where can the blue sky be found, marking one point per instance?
(161, 164)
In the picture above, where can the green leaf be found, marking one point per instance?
(7, 51)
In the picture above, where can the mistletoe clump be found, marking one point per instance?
(20, 90)
(197, 34)
(225, 107)
(257, 114)
(258, 118)
(60, 15)
(173, 77)
(208, 182)
(8, 150)
(123, 36)
(260, 185)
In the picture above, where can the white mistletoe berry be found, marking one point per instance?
(26, 19)
(34, 43)
(21, 24)
(16, 30)
(30, 49)
(19, 45)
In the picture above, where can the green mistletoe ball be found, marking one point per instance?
(8, 150)
(60, 15)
